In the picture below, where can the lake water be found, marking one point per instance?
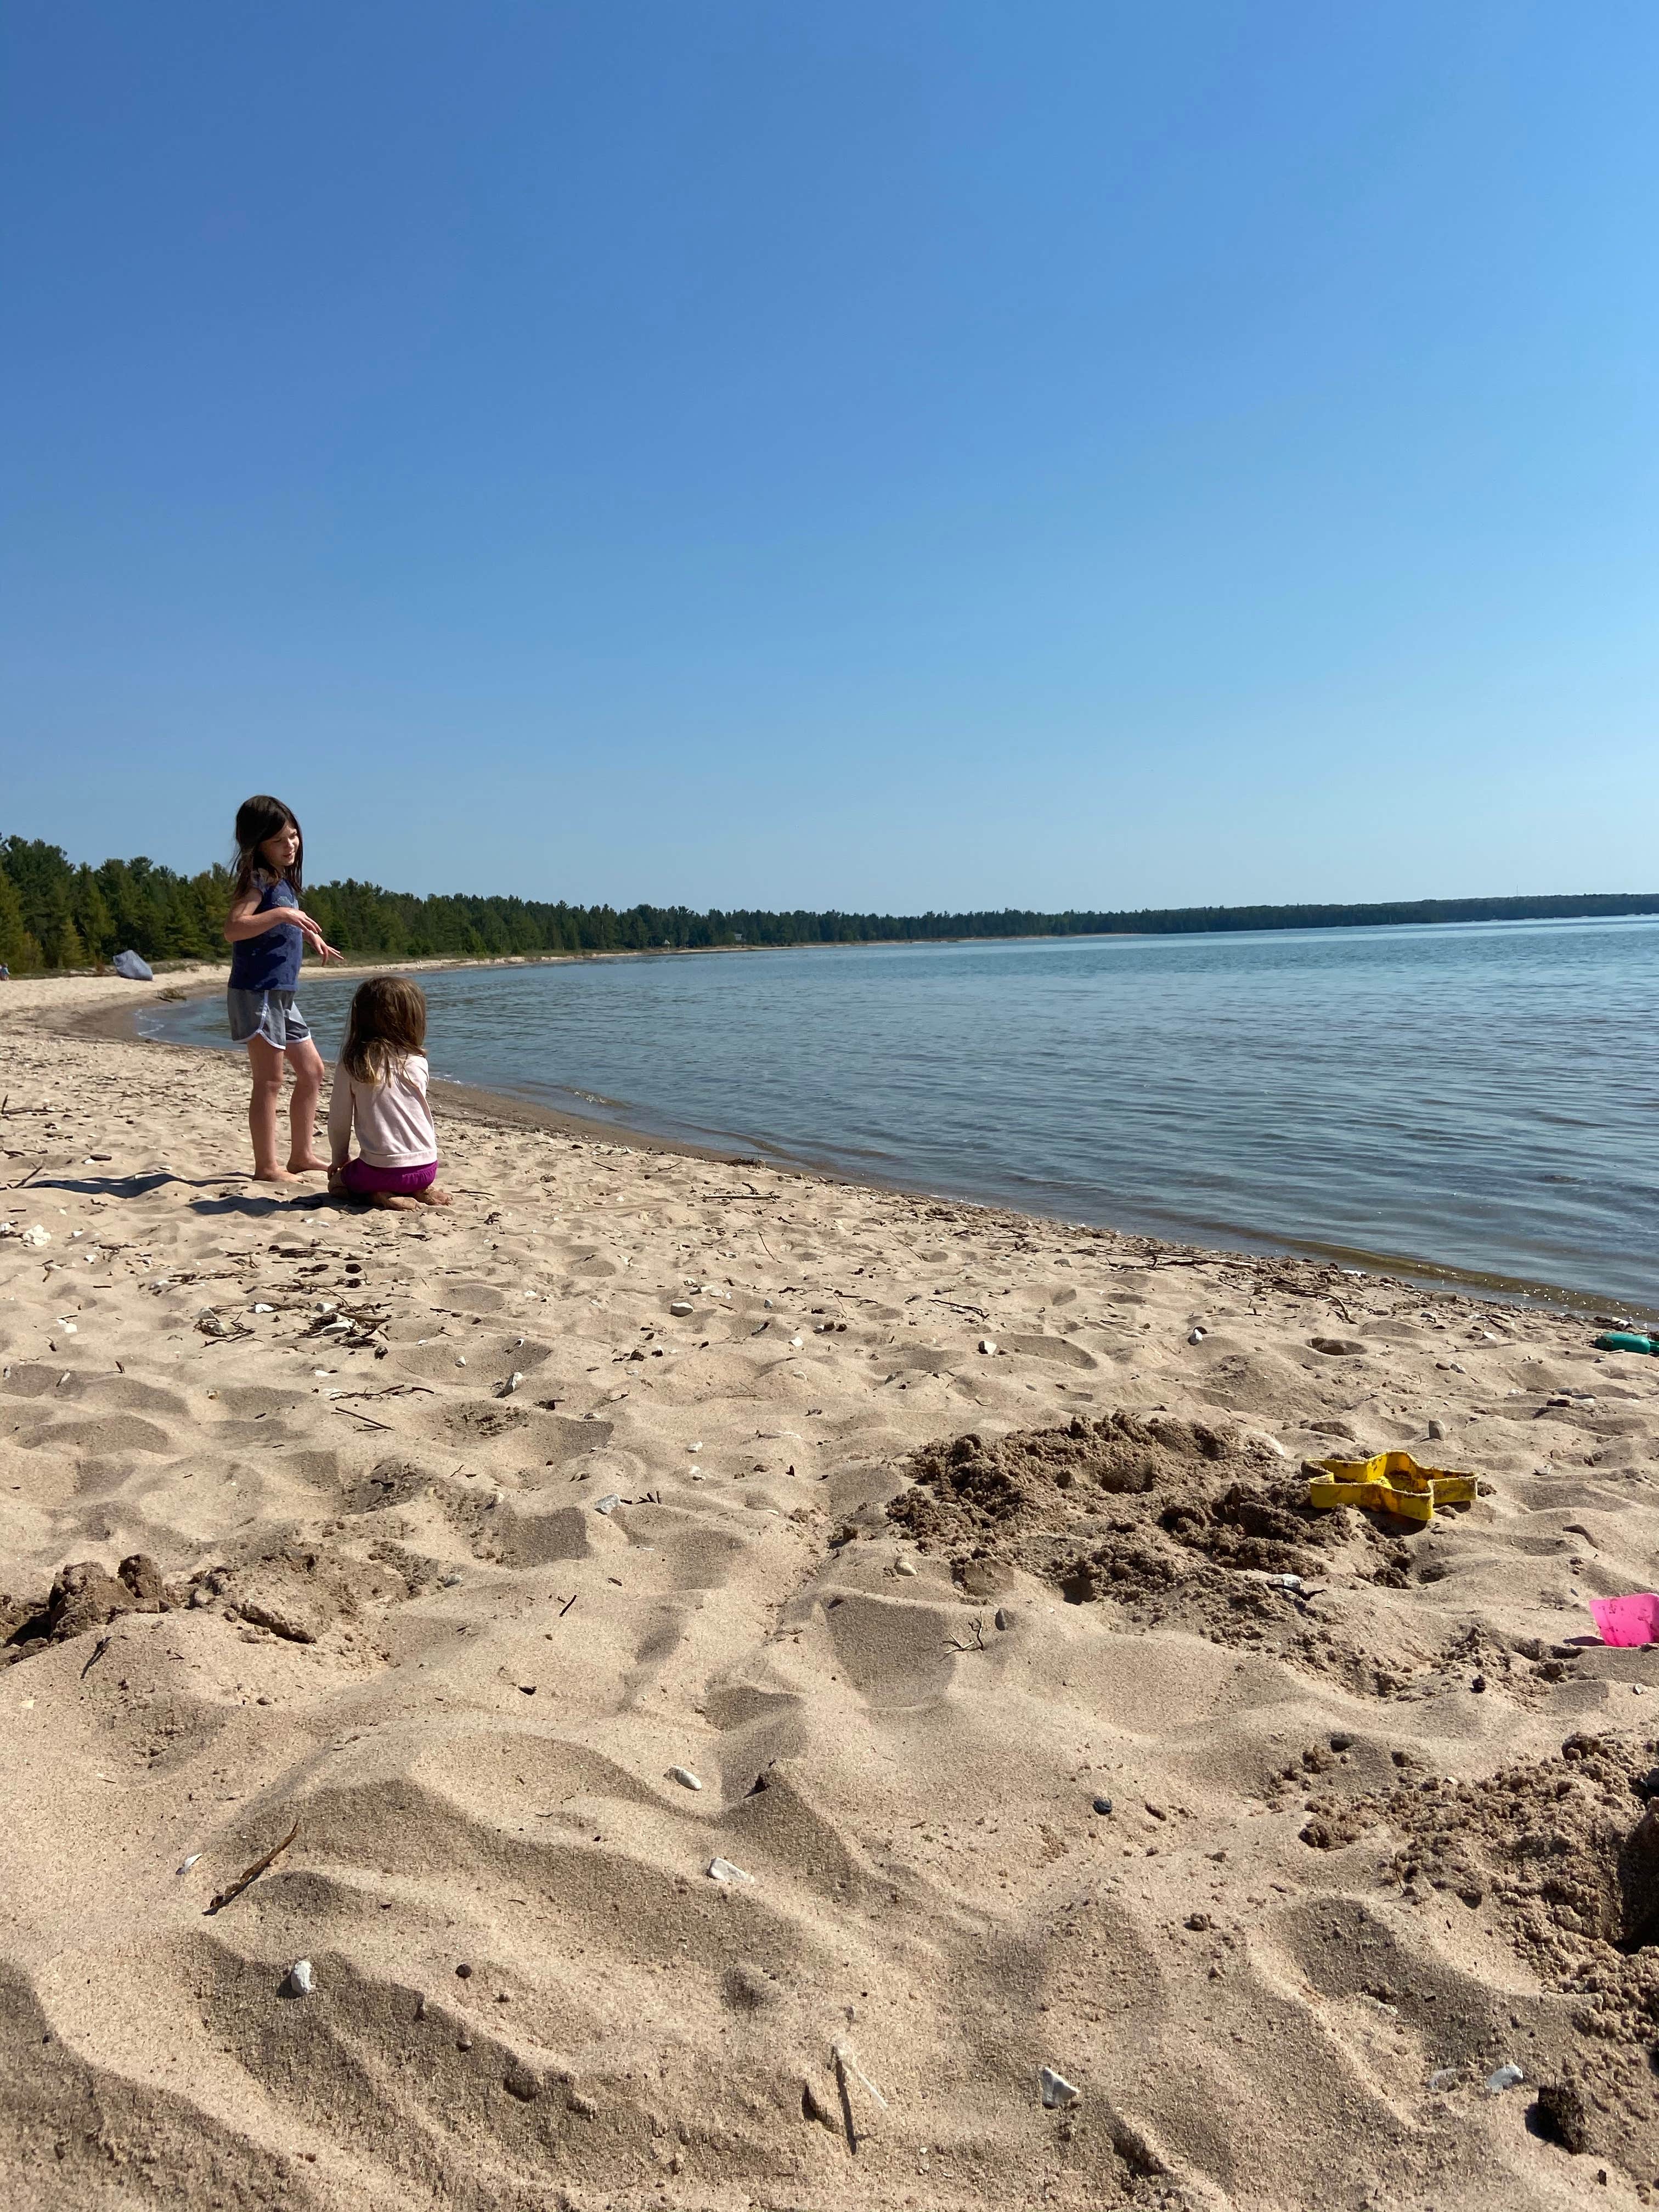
(1481, 1100)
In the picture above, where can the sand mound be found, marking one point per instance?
(1173, 1523)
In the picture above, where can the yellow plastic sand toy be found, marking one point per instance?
(1392, 1482)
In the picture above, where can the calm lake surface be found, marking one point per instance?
(1481, 1100)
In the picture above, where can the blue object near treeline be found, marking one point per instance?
(1626, 1340)
(135, 970)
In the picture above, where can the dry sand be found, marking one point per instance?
(1362, 1835)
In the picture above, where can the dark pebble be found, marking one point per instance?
(1479, 1684)
(1341, 1741)
(1102, 1804)
(465, 1972)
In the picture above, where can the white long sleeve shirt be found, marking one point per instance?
(392, 1119)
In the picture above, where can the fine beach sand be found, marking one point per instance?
(1362, 1834)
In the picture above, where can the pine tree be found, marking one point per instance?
(92, 918)
(15, 943)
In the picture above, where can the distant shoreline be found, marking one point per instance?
(1594, 906)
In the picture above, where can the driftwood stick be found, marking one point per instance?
(250, 1875)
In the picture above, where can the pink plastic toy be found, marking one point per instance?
(1627, 1620)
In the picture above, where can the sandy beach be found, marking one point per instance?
(941, 1578)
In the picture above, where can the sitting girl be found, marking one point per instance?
(380, 1084)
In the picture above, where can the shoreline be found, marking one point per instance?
(507, 1109)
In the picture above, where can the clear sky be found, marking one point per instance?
(850, 452)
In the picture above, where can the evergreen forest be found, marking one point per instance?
(57, 913)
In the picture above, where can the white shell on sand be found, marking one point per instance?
(608, 1503)
(902, 1565)
(680, 1306)
(1057, 2091)
(723, 1870)
(684, 1776)
(987, 1344)
(300, 1983)
(1504, 2077)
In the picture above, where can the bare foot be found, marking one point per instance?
(391, 1201)
(273, 1174)
(432, 1196)
(309, 1165)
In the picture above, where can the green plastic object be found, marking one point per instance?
(1626, 1340)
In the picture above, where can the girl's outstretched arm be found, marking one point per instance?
(244, 920)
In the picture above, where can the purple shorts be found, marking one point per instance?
(361, 1179)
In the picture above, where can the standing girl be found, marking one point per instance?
(380, 1084)
(268, 933)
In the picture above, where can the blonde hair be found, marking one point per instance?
(387, 1024)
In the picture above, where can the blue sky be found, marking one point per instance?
(880, 455)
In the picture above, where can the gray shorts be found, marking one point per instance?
(271, 1015)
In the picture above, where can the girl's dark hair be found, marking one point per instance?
(388, 1023)
(257, 819)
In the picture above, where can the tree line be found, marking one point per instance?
(56, 914)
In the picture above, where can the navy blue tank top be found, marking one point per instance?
(271, 962)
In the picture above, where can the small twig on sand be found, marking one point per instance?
(848, 2068)
(978, 1645)
(98, 1651)
(397, 1390)
(29, 1177)
(251, 1874)
(364, 1418)
(569, 1603)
